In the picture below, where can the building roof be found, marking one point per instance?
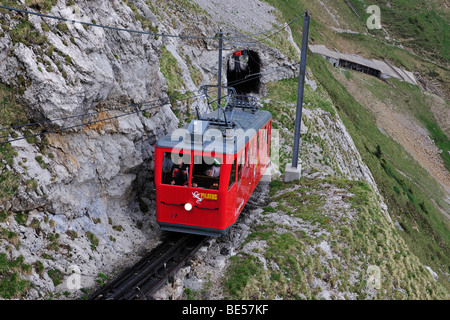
(387, 69)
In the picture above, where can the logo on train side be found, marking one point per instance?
(208, 196)
(197, 196)
(201, 195)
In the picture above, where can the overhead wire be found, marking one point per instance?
(250, 77)
(254, 76)
(276, 29)
(67, 128)
(100, 25)
(90, 113)
(134, 105)
(136, 110)
(144, 32)
(247, 78)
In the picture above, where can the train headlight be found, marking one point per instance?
(188, 207)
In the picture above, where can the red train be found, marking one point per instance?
(206, 172)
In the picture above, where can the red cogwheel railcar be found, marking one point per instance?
(206, 172)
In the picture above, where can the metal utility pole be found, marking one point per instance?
(301, 85)
(293, 171)
(219, 82)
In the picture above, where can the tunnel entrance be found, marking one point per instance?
(243, 68)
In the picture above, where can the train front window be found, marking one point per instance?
(206, 172)
(175, 169)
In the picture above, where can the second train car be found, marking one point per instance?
(206, 172)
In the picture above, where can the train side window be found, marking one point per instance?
(251, 155)
(263, 141)
(254, 151)
(240, 165)
(232, 174)
(247, 158)
(175, 169)
(206, 172)
(258, 146)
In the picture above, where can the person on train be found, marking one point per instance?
(167, 168)
(213, 170)
(180, 173)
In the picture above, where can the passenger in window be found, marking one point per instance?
(194, 183)
(167, 168)
(180, 173)
(214, 170)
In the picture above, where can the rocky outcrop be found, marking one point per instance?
(87, 192)
(91, 185)
(75, 67)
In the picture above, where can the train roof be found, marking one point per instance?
(206, 135)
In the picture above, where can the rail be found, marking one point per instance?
(142, 280)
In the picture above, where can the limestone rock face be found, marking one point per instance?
(88, 185)
(76, 67)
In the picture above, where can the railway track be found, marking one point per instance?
(142, 280)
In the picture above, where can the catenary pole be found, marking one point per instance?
(301, 85)
(219, 81)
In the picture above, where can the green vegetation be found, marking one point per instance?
(286, 91)
(21, 218)
(281, 102)
(101, 278)
(11, 284)
(4, 216)
(410, 99)
(42, 5)
(176, 8)
(171, 70)
(56, 276)
(10, 236)
(25, 33)
(427, 230)
(9, 182)
(280, 41)
(415, 200)
(146, 24)
(425, 52)
(45, 27)
(53, 241)
(11, 114)
(39, 5)
(63, 27)
(195, 73)
(93, 239)
(355, 240)
(420, 25)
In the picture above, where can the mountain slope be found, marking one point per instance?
(414, 198)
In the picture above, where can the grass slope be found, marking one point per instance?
(414, 198)
(324, 251)
(409, 198)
